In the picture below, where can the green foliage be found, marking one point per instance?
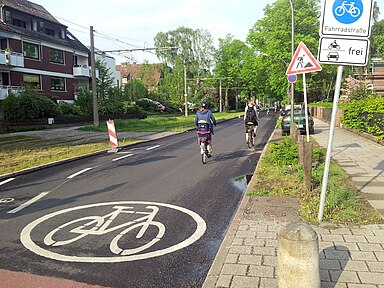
(280, 175)
(134, 90)
(283, 152)
(68, 109)
(366, 116)
(84, 101)
(27, 104)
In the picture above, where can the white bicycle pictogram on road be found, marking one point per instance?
(58, 243)
(100, 225)
(347, 8)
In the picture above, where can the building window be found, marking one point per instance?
(50, 32)
(31, 50)
(57, 84)
(19, 23)
(56, 56)
(32, 81)
(8, 17)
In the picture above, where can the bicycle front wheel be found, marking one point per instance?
(119, 241)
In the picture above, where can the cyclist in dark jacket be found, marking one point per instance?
(205, 115)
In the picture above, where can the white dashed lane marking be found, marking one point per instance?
(122, 157)
(26, 204)
(6, 181)
(78, 173)
(153, 147)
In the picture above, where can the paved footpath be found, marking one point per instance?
(349, 256)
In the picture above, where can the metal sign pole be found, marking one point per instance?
(306, 108)
(330, 141)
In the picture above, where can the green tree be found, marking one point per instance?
(270, 38)
(195, 52)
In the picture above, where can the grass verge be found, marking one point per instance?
(280, 174)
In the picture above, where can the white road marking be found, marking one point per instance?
(153, 147)
(26, 240)
(26, 204)
(6, 181)
(122, 157)
(78, 173)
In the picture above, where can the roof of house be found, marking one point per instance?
(40, 12)
(132, 70)
(30, 8)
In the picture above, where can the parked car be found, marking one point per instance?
(298, 119)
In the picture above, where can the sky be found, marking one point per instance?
(132, 24)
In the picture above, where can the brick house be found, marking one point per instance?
(39, 51)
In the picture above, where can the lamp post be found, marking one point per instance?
(293, 51)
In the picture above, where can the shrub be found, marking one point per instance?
(84, 101)
(27, 104)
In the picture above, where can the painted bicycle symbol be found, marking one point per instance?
(347, 8)
(99, 225)
(128, 228)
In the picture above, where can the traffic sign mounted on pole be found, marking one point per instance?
(343, 51)
(303, 61)
(347, 18)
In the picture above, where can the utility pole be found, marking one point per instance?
(185, 92)
(93, 75)
(221, 99)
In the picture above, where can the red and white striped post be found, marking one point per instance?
(112, 136)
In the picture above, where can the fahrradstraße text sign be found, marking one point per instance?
(346, 18)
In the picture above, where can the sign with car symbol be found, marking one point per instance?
(347, 18)
(343, 51)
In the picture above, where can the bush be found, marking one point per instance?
(67, 109)
(366, 116)
(27, 104)
(84, 101)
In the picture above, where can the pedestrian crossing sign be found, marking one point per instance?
(303, 61)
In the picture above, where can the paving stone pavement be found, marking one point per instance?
(349, 256)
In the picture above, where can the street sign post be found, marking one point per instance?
(344, 31)
(343, 51)
(347, 18)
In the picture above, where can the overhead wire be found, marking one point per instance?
(115, 38)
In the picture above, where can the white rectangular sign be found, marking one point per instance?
(343, 51)
(346, 18)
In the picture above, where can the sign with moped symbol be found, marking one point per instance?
(347, 18)
(343, 51)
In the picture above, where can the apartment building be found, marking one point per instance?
(39, 51)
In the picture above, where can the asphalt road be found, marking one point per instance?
(151, 215)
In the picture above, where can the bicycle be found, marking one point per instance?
(204, 139)
(100, 225)
(250, 134)
(347, 8)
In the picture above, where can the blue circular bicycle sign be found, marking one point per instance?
(347, 11)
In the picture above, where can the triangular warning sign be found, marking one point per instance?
(303, 61)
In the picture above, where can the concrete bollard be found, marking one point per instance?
(298, 257)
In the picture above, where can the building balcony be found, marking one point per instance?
(81, 71)
(11, 59)
(4, 90)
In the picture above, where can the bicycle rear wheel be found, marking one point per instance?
(204, 155)
(249, 139)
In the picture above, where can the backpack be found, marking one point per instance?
(250, 115)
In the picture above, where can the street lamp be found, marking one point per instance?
(293, 51)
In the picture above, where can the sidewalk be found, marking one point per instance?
(350, 256)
